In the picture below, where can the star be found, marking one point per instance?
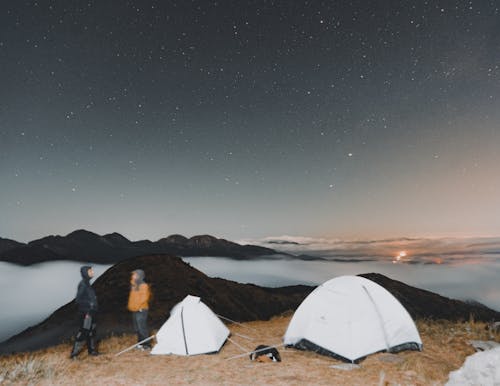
(249, 109)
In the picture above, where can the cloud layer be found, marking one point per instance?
(398, 250)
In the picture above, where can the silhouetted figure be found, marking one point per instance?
(87, 307)
(138, 304)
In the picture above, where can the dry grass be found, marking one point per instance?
(445, 349)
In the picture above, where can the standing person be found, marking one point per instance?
(138, 304)
(86, 300)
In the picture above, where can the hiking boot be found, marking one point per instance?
(91, 345)
(77, 348)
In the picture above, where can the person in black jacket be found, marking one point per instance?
(87, 307)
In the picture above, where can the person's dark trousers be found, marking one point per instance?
(140, 322)
(86, 333)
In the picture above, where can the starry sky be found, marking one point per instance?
(246, 119)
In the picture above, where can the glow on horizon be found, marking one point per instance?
(400, 257)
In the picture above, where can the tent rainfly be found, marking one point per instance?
(350, 317)
(191, 329)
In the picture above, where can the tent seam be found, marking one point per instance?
(184, 331)
(379, 318)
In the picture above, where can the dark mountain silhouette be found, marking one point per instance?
(171, 280)
(82, 245)
(116, 239)
(7, 244)
(283, 242)
(174, 239)
(29, 254)
(426, 304)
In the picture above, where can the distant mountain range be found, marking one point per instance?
(172, 279)
(82, 245)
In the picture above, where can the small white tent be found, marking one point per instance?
(350, 317)
(191, 329)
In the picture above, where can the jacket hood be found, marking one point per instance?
(140, 276)
(85, 272)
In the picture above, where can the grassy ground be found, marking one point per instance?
(445, 349)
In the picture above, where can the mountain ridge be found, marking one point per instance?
(86, 246)
(7, 244)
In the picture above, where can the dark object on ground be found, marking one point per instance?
(263, 353)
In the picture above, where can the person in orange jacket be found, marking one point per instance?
(138, 304)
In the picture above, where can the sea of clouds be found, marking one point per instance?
(416, 250)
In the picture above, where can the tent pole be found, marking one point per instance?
(135, 345)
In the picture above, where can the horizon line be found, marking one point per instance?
(242, 240)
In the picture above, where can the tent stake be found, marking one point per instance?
(135, 345)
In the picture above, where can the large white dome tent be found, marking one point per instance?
(350, 317)
(191, 329)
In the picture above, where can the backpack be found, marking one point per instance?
(265, 354)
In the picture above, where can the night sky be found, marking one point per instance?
(360, 119)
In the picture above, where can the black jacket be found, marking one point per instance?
(85, 296)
